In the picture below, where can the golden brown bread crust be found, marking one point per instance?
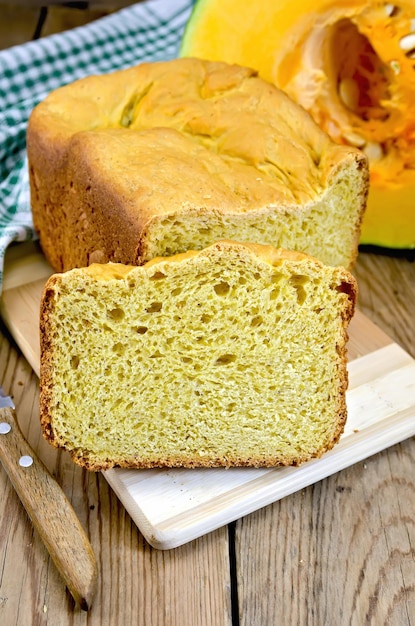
(118, 163)
(96, 274)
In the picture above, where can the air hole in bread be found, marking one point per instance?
(276, 278)
(225, 359)
(157, 276)
(344, 288)
(155, 307)
(116, 314)
(222, 288)
(256, 321)
(75, 362)
(119, 348)
(141, 330)
(298, 281)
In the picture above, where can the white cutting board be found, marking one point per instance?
(172, 507)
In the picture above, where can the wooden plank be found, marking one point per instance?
(387, 295)
(17, 24)
(21, 19)
(364, 336)
(62, 18)
(341, 551)
(109, 5)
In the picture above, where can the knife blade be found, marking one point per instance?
(48, 507)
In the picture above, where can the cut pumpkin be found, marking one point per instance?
(351, 65)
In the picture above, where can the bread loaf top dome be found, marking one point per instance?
(170, 156)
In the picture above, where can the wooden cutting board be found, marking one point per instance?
(172, 507)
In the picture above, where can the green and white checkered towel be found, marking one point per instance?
(148, 31)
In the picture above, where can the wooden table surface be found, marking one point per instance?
(341, 552)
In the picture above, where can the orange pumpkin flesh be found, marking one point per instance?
(351, 65)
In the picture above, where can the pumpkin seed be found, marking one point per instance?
(392, 10)
(349, 93)
(354, 139)
(407, 43)
(389, 9)
(373, 151)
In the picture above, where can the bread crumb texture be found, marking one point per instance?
(173, 156)
(235, 355)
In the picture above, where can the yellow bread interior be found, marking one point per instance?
(168, 157)
(234, 355)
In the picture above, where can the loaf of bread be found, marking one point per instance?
(172, 156)
(230, 356)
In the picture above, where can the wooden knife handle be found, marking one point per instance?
(50, 511)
